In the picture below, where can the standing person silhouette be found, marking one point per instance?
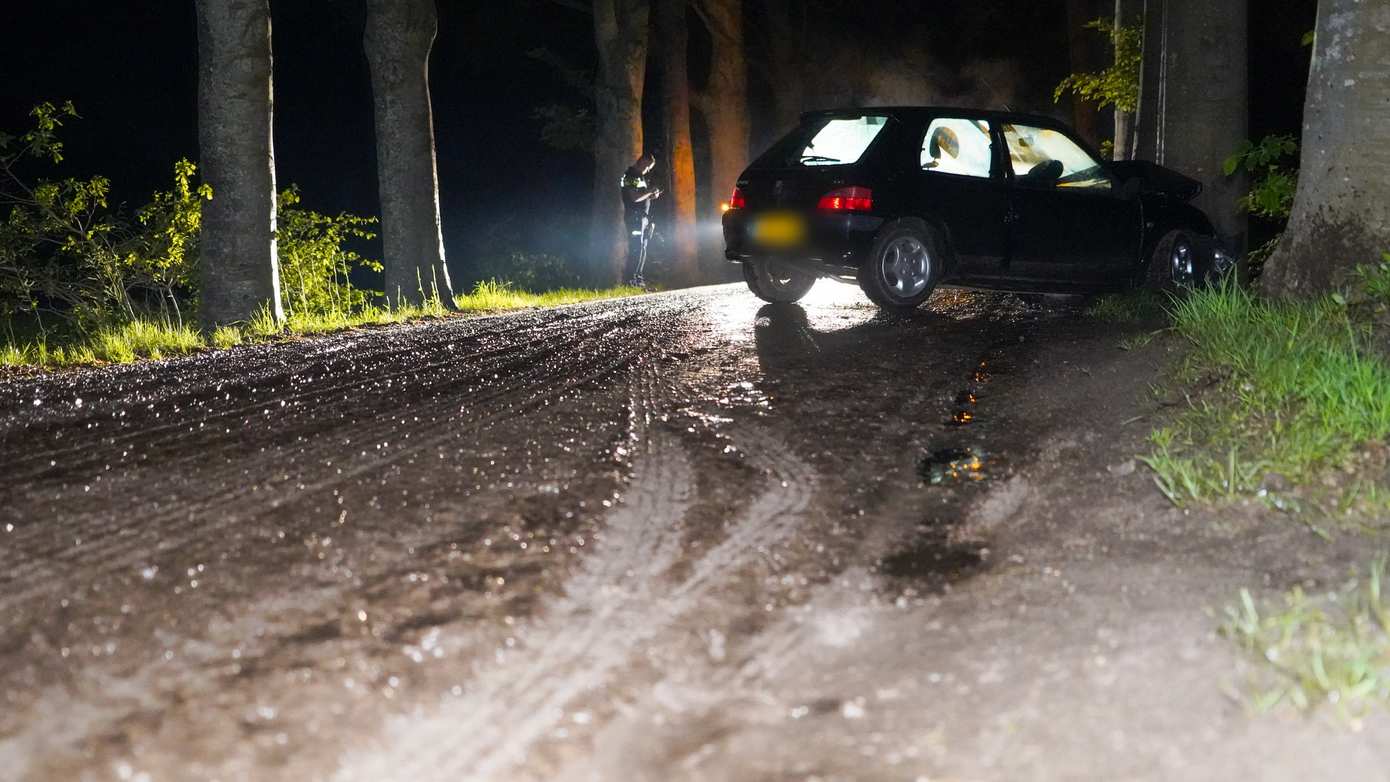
(638, 195)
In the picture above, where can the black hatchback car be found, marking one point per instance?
(900, 200)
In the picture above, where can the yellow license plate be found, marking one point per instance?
(779, 230)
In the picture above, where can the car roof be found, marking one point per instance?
(964, 112)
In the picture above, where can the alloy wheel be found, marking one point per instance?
(906, 267)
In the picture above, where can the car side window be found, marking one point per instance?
(1045, 158)
(957, 146)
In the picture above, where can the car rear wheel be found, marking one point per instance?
(1174, 265)
(902, 268)
(776, 282)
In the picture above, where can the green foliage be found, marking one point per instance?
(1328, 651)
(1117, 85)
(57, 237)
(1288, 388)
(162, 254)
(1273, 181)
(316, 263)
(533, 272)
(1374, 281)
(1131, 307)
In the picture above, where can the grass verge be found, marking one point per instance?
(158, 338)
(1312, 651)
(1276, 395)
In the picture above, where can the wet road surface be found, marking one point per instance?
(627, 540)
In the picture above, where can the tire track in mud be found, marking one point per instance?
(618, 601)
(532, 368)
(105, 549)
(363, 365)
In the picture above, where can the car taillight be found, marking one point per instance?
(848, 199)
(738, 200)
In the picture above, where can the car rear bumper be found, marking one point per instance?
(835, 243)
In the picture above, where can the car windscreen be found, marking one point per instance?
(825, 141)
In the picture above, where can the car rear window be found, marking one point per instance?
(825, 141)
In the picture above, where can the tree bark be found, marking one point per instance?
(726, 106)
(1341, 213)
(673, 33)
(397, 40)
(620, 32)
(1194, 104)
(1128, 13)
(237, 254)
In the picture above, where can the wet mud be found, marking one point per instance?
(478, 549)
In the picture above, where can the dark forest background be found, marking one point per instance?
(131, 71)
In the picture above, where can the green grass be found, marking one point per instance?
(1136, 306)
(1331, 650)
(1269, 387)
(158, 338)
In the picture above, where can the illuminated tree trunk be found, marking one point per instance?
(1128, 13)
(238, 263)
(620, 32)
(725, 104)
(1194, 102)
(398, 37)
(673, 34)
(1341, 214)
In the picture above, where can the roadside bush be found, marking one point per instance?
(77, 268)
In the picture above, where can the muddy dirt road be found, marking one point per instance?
(682, 536)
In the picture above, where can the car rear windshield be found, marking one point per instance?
(825, 141)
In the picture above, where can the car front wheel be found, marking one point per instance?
(776, 282)
(1174, 264)
(902, 268)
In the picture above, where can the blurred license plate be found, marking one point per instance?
(779, 229)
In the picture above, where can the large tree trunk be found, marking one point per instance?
(237, 259)
(1194, 103)
(398, 37)
(673, 34)
(620, 32)
(1341, 214)
(725, 102)
(1128, 13)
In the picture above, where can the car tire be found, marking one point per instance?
(776, 283)
(1174, 265)
(902, 267)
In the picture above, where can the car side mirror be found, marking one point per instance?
(1132, 188)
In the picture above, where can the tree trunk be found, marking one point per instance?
(398, 37)
(620, 32)
(673, 34)
(1081, 49)
(1128, 13)
(1341, 214)
(1194, 108)
(726, 106)
(237, 257)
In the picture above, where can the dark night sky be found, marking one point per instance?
(130, 68)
